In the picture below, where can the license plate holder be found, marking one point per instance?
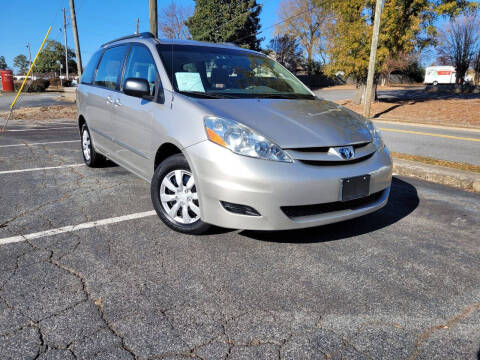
(355, 187)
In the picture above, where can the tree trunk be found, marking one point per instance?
(360, 94)
(384, 80)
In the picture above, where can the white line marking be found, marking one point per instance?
(41, 143)
(71, 228)
(39, 169)
(33, 129)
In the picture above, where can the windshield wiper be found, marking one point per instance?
(283, 96)
(206, 95)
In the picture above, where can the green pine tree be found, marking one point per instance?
(234, 21)
(3, 63)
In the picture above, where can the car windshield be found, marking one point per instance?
(217, 72)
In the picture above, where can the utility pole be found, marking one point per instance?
(65, 38)
(75, 38)
(59, 63)
(138, 25)
(29, 57)
(373, 55)
(152, 13)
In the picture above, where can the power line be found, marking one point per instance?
(269, 27)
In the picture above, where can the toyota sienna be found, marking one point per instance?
(227, 136)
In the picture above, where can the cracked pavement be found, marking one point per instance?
(401, 283)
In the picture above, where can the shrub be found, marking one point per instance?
(17, 84)
(39, 85)
(56, 82)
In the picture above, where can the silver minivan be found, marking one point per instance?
(228, 137)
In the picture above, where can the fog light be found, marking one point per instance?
(239, 209)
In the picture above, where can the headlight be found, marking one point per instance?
(243, 140)
(377, 139)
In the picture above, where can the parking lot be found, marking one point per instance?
(87, 270)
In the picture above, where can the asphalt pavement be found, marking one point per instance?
(87, 270)
(435, 142)
(31, 100)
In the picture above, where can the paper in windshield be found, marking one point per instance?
(189, 81)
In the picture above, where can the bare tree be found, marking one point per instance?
(286, 51)
(476, 68)
(305, 20)
(459, 43)
(395, 63)
(172, 21)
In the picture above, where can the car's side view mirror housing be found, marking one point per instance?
(136, 87)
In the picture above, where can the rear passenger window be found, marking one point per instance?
(87, 75)
(141, 65)
(110, 68)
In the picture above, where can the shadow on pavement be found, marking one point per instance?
(440, 93)
(399, 98)
(403, 200)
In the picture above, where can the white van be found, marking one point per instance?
(435, 75)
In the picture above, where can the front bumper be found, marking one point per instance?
(267, 186)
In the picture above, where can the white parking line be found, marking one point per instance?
(40, 143)
(34, 129)
(71, 228)
(39, 169)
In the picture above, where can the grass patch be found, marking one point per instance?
(431, 161)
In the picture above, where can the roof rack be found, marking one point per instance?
(144, 35)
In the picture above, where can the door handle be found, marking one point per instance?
(117, 102)
(109, 100)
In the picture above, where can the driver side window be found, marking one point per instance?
(140, 64)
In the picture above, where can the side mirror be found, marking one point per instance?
(136, 87)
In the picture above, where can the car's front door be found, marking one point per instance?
(134, 116)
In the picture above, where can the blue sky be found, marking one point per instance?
(98, 21)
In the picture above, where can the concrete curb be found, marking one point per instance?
(460, 179)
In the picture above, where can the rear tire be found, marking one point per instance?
(435, 83)
(175, 198)
(90, 156)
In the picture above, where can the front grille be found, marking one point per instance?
(335, 162)
(318, 209)
(326, 148)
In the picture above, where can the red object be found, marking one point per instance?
(444, 72)
(7, 80)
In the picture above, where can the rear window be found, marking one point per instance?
(89, 71)
(110, 67)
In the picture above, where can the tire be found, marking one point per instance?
(90, 156)
(177, 204)
(435, 83)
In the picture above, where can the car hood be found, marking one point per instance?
(294, 123)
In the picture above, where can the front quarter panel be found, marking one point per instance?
(181, 124)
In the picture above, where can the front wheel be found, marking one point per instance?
(175, 197)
